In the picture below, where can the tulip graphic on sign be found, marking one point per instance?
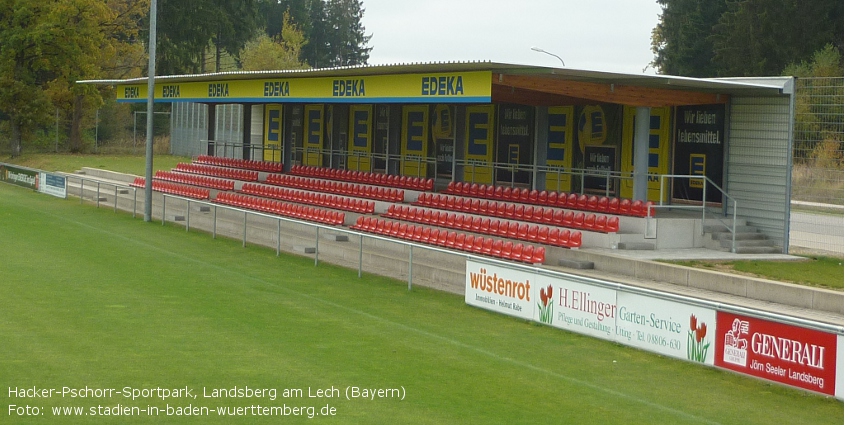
(696, 345)
(545, 305)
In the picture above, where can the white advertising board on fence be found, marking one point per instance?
(576, 307)
(500, 289)
(52, 184)
(666, 327)
(793, 355)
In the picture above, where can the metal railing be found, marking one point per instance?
(411, 246)
(731, 206)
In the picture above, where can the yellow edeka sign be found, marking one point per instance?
(465, 87)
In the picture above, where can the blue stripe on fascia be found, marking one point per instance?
(367, 100)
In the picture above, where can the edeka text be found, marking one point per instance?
(442, 86)
(170, 92)
(131, 93)
(348, 88)
(500, 286)
(218, 90)
(276, 89)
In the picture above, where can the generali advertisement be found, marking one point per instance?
(799, 357)
(795, 356)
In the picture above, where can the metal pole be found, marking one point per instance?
(317, 247)
(360, 254)
(134, 201)
(81, 189)
(57, 130)
(410, 265)
(98, 194)
(115, 198)
(148, 189)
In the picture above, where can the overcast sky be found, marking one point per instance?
(602, 35)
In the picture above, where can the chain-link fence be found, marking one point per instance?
(816, 223)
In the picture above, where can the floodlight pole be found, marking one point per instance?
(148, 171)
(537, 49)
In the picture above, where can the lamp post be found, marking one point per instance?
(537, 49)
(148, 166)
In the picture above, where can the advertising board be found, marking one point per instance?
(500, 289)
(666, 327)
(791, 355)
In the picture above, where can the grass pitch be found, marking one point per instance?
(90, 300)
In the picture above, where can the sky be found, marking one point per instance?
(601, 35)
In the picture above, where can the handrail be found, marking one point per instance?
(730, 227)
(721, 306)
(837, 329)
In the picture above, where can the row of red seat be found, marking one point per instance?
(340, 188)
(571, 201)
(378, 179)
(469, 243)
(248, 164)
(514, 230)
(310, 198)
(210, 170)
(195, 180)
(543, 215)
(173, 188)
(334, 218)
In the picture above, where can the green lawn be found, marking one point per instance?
(131, 164)
(825, 272)
(98, 299)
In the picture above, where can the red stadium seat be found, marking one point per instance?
(533, 232)
(612, 225)
(590, 222)
(496, 251)
(578, 220)
(601, 223)
(507, 250)
(575, 240)
(516, 253)
(539, 255)
(613, 205)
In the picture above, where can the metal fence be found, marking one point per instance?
(816, 219)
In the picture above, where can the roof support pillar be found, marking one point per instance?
(642, 127)
(247, 132)
(211, 124)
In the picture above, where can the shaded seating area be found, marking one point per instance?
(572, 201)
(378, 179)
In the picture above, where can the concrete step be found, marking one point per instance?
(757, 250)
(635, 245)
(726, 243)
(726, 236)
(739, 229)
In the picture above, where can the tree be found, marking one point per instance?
(762, 37)
(281, 52)
(681, 41)
(348, 44)
(43, 47)
(712, 38)
(332, 28)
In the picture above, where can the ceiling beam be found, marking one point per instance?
(609, 93)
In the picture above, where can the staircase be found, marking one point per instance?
(749, 240)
